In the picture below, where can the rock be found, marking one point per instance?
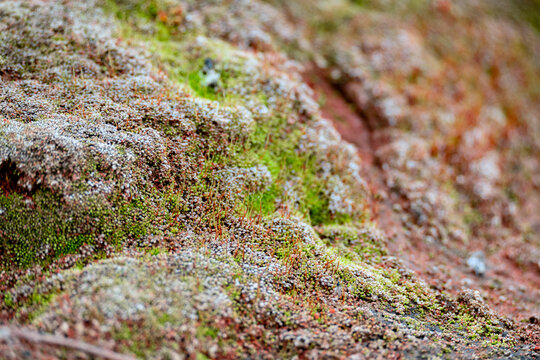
(211, 79)
(208, 65)
(302, 341)
(477, 263)
(210, 76)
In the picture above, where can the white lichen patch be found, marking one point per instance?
(253, 179)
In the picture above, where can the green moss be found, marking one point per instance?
(53, 224)
(184, 65)
(263, 202)
(359, 2)
(195, 81)
(45, 227)
(207, 331)
(47, 223)
(125, 10)
(8, 300)
(472, 216)
(129, 338)
(277, 151)
(352, 243)
(32, 306)
(38, 302)
(526, 10)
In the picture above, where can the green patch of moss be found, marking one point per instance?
(31, 306)
(38, 302)
(353, 244)
(168, 45)
(44, 227)
(129, 337)
(280, 154)
(472, 217)
(207, 331)
(264, 202)
(8, 300)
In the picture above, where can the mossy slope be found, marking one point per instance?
(233, 214)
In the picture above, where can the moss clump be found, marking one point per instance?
(355, 244)
(43, 227)
(8, 300)
(296, 173)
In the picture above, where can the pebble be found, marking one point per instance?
(476, 263)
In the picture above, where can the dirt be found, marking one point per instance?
(439, 265)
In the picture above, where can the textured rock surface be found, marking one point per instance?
(175, 181)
